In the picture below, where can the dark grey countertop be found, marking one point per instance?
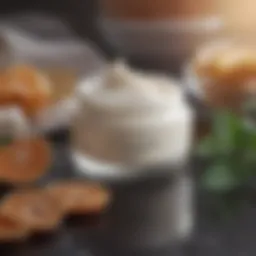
(232, 236)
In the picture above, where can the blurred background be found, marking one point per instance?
(96, 20)
(82, 14)
(79, 14)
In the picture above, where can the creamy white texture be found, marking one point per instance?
(131, 118)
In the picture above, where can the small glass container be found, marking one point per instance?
(153, 202)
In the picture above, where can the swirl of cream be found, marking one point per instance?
(132, 118)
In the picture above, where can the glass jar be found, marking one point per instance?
(140, 147)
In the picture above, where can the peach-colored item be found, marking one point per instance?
(26, 87)
(12, 230)
(79, 197)
(24, 161)
(227, 74)
(160, 9)
(34, 208)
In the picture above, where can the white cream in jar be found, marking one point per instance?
(133, 119)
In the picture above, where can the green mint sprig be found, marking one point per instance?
(231, 151)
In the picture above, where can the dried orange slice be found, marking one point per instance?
(78, 197)
(226, 73)
(7, 95)
(35, 208)
(27, 87)
(12, 230)
(24, 161)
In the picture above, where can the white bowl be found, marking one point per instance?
(161, 39)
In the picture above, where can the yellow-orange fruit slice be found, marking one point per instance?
(28, 88)
(25, 160)
(80, 197)
(7, 95)
(35, 208)
(228, 74)
(12, 230)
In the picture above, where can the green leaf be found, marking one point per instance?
(219, 178)
(231, 147)
(206, 148)
(251, 133)
(226, 127)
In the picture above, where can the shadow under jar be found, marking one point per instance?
(148, 216)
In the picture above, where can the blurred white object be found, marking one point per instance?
(14, 123)
(146, 121)
(160, 41)
(47, 42)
